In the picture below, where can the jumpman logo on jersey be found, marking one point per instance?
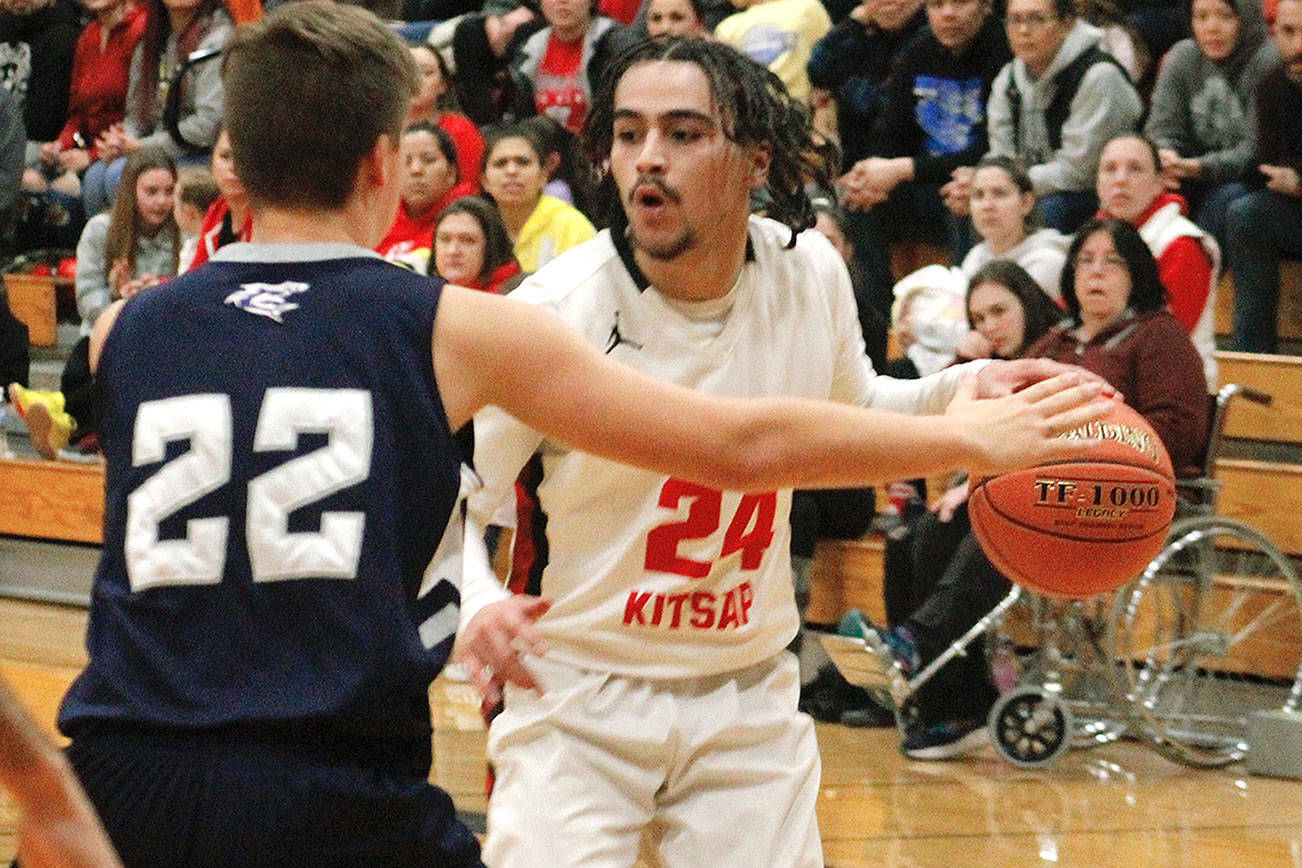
(616, 338)
(267, 299)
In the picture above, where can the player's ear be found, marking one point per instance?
(760, 156)
(380, 164)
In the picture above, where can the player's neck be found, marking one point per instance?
(283, 226)
(699, 274)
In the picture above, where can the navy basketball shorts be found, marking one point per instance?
(169, 802)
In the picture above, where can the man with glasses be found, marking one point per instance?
(1054, 106)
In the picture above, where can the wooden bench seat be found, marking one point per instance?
(56, 500)
(1278, 376)
(34, 302)
(1290, 302)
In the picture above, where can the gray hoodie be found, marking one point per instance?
(1206, 108)
(1105, 105)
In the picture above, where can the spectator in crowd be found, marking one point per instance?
(196, 191)
(1054, 106)
(559, 67)
(12, 143)
(779, 34)
(1266, 225)
(1131, 188)
(174, 95)
(435, 103)
(471, 247)
(541, 227)
(15, 350)
(1002, 203)
(483, 45)
(676, 18)
(428, 182)
(850, 64)
(833, 223)
(228, 219)
(1007, 311)
(131, 248)
(569, 174)
(938, 582)
(1202, 117)
(38, 40)
(98, 94)
(933, 123)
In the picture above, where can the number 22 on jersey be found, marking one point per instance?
(750, 531)
(275, 554)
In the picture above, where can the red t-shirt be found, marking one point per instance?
(558, 84)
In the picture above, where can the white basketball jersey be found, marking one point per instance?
(657, 577)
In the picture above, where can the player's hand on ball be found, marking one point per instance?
(497, 639)
(1004, 377)
(1021, 429)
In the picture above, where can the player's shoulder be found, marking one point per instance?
(771, 245)
(576, 273)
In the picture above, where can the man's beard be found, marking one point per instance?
(668, 250)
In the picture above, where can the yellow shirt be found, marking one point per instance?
(552, 228)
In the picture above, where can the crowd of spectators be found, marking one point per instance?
(911, 94)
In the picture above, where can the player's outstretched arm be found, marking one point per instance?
(496, 351)
(59, 826)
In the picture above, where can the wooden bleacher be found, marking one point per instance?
(1290, 303)
(38, 301)
(34, 302)
(53, 500)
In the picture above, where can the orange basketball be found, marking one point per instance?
(1084, 526)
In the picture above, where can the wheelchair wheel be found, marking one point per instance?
(1030, 727)
(1210, 633)
(1063, 647)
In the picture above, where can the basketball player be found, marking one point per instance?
(279, 578)
(668, 703)
(58, 826)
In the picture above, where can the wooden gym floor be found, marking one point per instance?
(1116, 805)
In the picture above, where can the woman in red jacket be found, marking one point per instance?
(471, 247)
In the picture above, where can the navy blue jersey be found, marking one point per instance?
(280, 474)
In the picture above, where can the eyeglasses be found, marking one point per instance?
(1031, 21)
(1107, 261)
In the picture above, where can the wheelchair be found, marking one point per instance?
(1182, 656)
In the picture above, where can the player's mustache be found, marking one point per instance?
(1292, 59)
(664, 190)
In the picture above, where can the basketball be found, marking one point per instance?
(1083, 526)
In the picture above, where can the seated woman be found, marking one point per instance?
(131, 248)
(182, 41)
(1201, 117)
(435, 103)
(1002, 202)
(1117, 327)
(471, 247)
(1131, 188)
(97, 99)
(428, 182)
(229, 219)
(541, 227)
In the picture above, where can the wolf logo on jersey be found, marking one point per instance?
(267, 299)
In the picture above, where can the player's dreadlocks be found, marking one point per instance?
(754, 107)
